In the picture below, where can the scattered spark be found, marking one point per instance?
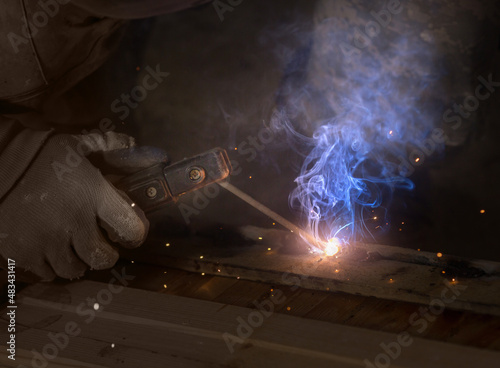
(439, 254)
(443, 272)
(400, 229)
(112, 345)
(390, 132)
(167, 245)
(165, 286)
(337, 271)
(201, 257)
(96, 306)
(482, 211)
(418, 249)
(332, 247)
(133, 205)
(453, 280)
(236, 148)
(272, 290)
(218, 270)
(268, 248)
(274, 223)
(403, 223)
(237, 277)
(288, 308)
(375, 217)
(131, 261)
(260, 237)
(164, 271)
(417, 159)
(250, 177)
(203, 274)
(327, 289)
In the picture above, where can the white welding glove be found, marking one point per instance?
(63, 215)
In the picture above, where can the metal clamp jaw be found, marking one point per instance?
(158, 185)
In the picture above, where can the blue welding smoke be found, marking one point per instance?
(366, 109)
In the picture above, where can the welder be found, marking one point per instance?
(59, 214)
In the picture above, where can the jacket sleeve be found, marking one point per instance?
(135, 9)
(18, 147)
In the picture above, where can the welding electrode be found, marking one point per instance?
(268, 212)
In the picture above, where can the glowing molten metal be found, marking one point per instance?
(332, 247)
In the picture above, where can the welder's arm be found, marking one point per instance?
(135, 9)
(18, 147)
(59, 215)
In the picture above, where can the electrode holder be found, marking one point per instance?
(154, 187)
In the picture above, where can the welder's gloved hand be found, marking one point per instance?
(63, 215)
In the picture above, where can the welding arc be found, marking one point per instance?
(268, 212)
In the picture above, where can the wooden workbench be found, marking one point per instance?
(170, 317)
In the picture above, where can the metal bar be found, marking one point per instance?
(268, 212)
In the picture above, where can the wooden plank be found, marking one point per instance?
(459, 327)
(157, 330)
(24, 358)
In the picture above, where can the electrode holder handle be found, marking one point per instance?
(154, 187)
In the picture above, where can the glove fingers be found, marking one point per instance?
(128, 161)
(65, 263)
(124, 223)
(109, 141)
(93, 249)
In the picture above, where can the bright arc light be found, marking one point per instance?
(332, 247)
